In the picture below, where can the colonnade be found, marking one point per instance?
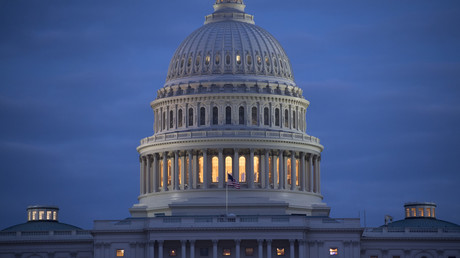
(208, 168)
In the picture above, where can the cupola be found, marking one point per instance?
(420, 210)
(42, 213)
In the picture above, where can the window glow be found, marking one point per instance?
(207, 60)
(297, 171)
(215, 169)
(420, 212)
(333, 251)
(280, 251)
(186, 169)
(169, 172)
(428, 212)
(238, 59)
(41, 215)
(414, 212)
(48, 215)
(407, 212)
(34, 215)
(226, 252)
(161, 173)
(289, 171)
(200, 170)
(432, 213)
(228, 165)
(249, 251)
(172, 252)
(120, 252)
(242, 163)
(180, 170)
(256, 169)
(270, 170)
(54, 215)
(277, 164)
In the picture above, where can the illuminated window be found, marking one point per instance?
(172, 252)
(266, 120)
(242, 163)
(270, 170)
(48, 215)
(161, 173)
(29, 215)
(420, 212)
(215, 115)
(120, 252)
(259, 60)
(254, 116)
(228, 165)
(277, 164)
(407, 212)
(432, 213)
(267, 61)
(226, 252)
(207, 60)
(34, 215)
(200, 170)
(215, 169)
(41, 215)
(297, 171)
(228, 115)
(256, 169)
(180, 170)
(197, 61)
(277, 117)
(414, 212)
(289, 171)
(280, 251)
(54, 215)
(190, 116)
(186, 169)
(333, 251)
(428, 212)
(169, 171)
(249, 251)
(238, 59)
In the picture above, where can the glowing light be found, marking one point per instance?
(333, 251)
(280, 251)
(120, 252)
(226, 252)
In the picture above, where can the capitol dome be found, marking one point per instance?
(230, 111)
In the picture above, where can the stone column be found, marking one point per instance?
(292, 248)
(318, 177)
(275, 171)
(176, 170)
(222, 172)
(151, 250)
(195, 170)
(190, 169)
(183, 161)
(302, 172)
(148, 186)
(237, 248)
(214, 248)
(205, 169)
(165, 171)
(301, 248)
(309, 173)
(281, 170)
(141, 177)
(261, 248)
(293, 171)
(154, 177)
(315, 174)
(160, 249)
(269, 248)
(192, 248)
(236, 165)
(183, 248)
(267, 169)
(251, 170)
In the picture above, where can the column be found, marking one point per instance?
(183, 161)
(293, 171)
(214, 248)
(190, 169)
(315, 174)
(183, 249)
(160, 249)
(148, 185)
(292, 248)
(281, 170)
(236, 165)
(192, 248)
(194, 170)
(237, 248)
(141, 177)
(301, 248)
(251, 169)
(205, 169)
(222, 173)
(302, 172)
(165, 171)
(269, 248)
(267, 169)
(309, 173)
(275, 171)
(261, 248)
(151, 249)
(154, 176)
(318, 177)
(176, 170)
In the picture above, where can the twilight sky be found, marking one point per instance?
(77, 77)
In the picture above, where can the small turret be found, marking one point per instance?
(420, 210)
(42, 213)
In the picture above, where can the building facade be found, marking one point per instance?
(230, 170)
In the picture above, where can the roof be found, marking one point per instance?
(41, 226)
(422, 223)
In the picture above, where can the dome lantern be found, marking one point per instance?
(229, 10)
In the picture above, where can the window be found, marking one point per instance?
(120, 252)
(289, 172)
(294, 117)
(238, 59)
(215, 115)
(396, 256)
(242, 166)
(200, 170)
(169, 171)
(280, 251)
(217, 59)
(207, 60)
(428, 212)
(254, 116)
(256, 169)
(180, 170)
(54, 215)
(202, 116)
(34, 215)
(420, 212)
(266, 120)
(164, 120)
(41, 215)
(248, 59)
(172, 252)
(226, 252)
(171, 120)
(407, 212)
(333, 251)
(215, 169)
(228, 165)
(414, 212)
(374, 256)
(204, 251)
(286, 118)
(190, 116)
(197, 61)
(241, 115)
(228, 115)
(259, 60)
(179, 119)
(249, 251)
(227, 60)
(161, 172)
(267, 61)
(277, 117)
(297, 171)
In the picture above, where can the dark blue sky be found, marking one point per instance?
(77, 77)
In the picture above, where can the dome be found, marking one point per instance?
(230, 47)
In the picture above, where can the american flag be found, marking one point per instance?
(232, 182)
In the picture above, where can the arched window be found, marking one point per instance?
(256, 169)
(228, 166)
(179, 119)
(160, 174)
(286, 118)
(289, 171)
(190, 116)
(200, 170)
(297, 172)
(228, 115)
(215, 115)
(202, 116)
(241, 116)
(164, 120)
(227, 60)
(215, 169)
(294, 118)
(254, 116)
(242, 167)
(277, 117)
(171, 120)
(169, 171)
(180, 171)
(266, 116)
